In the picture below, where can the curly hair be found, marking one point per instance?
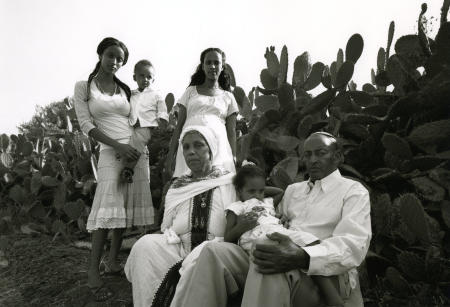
(198, 78)
(245, 172)
(104, 44)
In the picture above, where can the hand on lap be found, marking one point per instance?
(280, 258)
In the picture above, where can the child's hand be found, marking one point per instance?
(247, 221)
(283, 220)
(162, 124)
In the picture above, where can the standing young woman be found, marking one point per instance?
(207, 102)
(102, 108)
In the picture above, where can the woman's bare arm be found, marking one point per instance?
(230, 125)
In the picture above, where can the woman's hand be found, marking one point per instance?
(247, 221)
(127, 151)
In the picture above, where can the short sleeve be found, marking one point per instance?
(236, 207)
(81, 107)
(185, 97)
(232, 105)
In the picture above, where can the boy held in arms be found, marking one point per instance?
(148, 111)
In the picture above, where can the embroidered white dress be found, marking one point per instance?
(210, 111)
(152, 255)
(116, 204)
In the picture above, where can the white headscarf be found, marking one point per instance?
(186, 187)
(207, 134)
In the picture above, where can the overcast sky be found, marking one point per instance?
(48, 45)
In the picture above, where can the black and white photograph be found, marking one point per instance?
(248, 153)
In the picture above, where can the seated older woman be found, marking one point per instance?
(194, 212)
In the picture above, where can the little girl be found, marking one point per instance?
(148, 110)
(254, 217)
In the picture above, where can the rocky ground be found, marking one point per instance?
(36, 271)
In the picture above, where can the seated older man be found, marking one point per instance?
(327, 208)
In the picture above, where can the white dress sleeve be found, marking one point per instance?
(81, 107)
(185, 97)
(236, 207)
(232, 105)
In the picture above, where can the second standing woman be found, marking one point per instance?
(207, 102)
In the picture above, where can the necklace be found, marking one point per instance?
(101, 88)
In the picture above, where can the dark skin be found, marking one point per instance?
(238, 224)
(321, 159)
(212, 66)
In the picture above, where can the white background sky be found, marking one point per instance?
(47, 45)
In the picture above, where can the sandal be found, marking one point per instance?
(105, 269)
(101, 293)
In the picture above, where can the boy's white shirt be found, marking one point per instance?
(147, 106)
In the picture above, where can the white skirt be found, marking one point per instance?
(117, 204)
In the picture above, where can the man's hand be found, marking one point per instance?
(279, 258)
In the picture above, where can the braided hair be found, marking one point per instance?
(198, 78)
(104, 44)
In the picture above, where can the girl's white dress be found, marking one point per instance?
(267, 222)
(210, 111)
(116, 204)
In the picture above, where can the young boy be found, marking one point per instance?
(148, 110)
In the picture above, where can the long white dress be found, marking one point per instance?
(210, 111)
(152, 256)
(115, 204)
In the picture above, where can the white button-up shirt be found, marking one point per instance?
(147, 106)
(335, 211)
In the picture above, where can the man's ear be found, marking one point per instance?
(338, 157)
(134, 77)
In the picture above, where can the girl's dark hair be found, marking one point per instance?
(104, 44)
(198, 78)
(245, 172)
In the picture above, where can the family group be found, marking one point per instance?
(226, 238)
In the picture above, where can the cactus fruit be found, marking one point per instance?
(273, 65)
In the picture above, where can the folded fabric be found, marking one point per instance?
(191, 258)
(171, 236)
